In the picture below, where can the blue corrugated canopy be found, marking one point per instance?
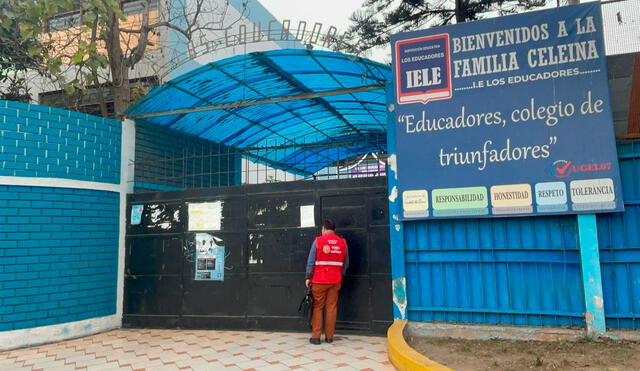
(296, 110)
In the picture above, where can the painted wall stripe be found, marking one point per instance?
(59, 183)
(48, 334)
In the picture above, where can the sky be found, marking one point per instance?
(621, 37)
(329, 12)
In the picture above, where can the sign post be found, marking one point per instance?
(591, 275)
(396, 237)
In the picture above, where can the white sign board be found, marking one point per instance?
(206, 216)
(307, 216)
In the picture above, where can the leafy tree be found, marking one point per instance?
(377, 19)
(93, 43)
(16, 88)
(17, 54)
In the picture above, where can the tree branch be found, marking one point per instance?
(169, 25)
(138, 51)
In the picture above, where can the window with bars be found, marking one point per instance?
(64, 22)
(74, 19)
(133, 7)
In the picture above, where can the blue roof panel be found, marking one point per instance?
(294, 134)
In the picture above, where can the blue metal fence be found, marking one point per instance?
(521, 271)
(619, 241)
(525, 271)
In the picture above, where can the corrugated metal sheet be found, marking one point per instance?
(521, 271)
(301, 136)
(525, 271)
(619, 241)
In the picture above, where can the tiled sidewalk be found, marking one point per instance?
(201, 350)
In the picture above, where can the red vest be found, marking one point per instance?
(331, 251)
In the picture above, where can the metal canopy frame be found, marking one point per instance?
(294, 102)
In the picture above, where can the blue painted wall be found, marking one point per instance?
(59, 255)
(58, 246)
(525, 271)
(41, 141)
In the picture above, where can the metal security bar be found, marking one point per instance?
(207, 164)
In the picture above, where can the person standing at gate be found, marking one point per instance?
(327, 263)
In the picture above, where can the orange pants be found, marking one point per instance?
(324, 295)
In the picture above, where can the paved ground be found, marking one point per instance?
(201, 350)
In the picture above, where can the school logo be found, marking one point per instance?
(423, 69)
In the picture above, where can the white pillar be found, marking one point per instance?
(127, 153)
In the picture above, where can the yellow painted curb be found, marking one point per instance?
(405, 358)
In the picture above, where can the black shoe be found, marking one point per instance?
(329, 340)
(315, 341)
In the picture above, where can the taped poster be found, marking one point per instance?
(209, 258)
(136, 214)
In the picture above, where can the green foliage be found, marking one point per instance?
(23, 48)
(538, 362)
(96, 54)
(377, 19)
(19, 47)
(16, 90)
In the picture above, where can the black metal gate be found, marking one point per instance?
(265, 257)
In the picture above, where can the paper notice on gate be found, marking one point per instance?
(307, 216)
(206, 216)
(136, 214)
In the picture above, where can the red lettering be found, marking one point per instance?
(591, 167)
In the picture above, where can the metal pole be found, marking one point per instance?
(396, 227)
(239, 104)
(591, 275)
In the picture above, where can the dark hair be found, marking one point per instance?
(329, 224)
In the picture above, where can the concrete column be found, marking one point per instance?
(591, 275)
(396, 233)
(127, 167)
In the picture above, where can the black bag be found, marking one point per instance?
(306, 304)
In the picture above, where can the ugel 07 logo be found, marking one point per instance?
(564, 168)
